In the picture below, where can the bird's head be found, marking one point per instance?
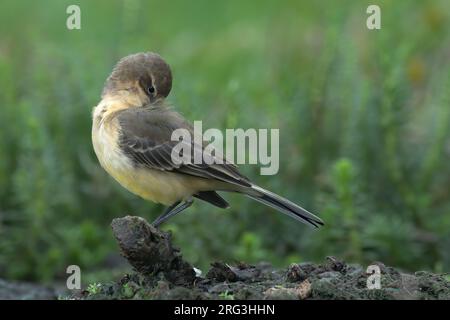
(142, 78)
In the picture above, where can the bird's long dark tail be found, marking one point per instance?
(283, 205)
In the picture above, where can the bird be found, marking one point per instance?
(132, 127)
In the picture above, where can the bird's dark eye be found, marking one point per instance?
(151, 90)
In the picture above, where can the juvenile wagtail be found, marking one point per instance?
(131, 134)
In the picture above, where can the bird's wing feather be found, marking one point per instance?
(145, 136)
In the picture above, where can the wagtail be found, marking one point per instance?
(131, 135)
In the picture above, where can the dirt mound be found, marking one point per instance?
(161, 273)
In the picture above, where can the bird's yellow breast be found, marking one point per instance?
(151, 184)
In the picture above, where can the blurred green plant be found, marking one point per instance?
(93, 288)
(226, 295)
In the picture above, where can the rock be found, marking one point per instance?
(335, 264)
(302, 291)
(280, 293)
(296, 273)
(330, 275)
(223, 272)
(150, 250)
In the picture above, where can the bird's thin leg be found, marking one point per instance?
(172, 211)
(166, 212)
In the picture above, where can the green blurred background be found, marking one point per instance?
(364, 120)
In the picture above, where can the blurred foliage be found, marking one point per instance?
(364, 120)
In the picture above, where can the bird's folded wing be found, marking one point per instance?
(145, 136)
